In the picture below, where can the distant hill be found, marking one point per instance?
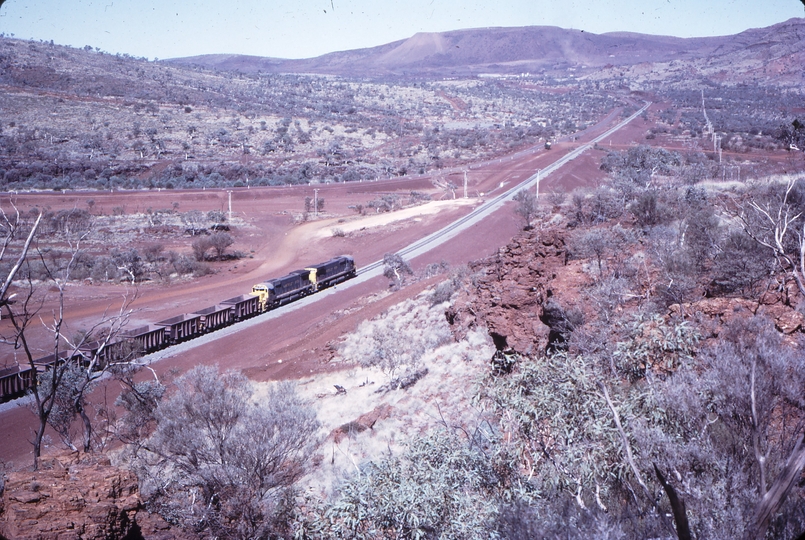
(534, 49)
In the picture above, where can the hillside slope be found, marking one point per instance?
(529, 49)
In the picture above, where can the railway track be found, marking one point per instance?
(413, 250)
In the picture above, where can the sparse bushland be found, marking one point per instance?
(604, 438)
(620, 373)
(747, 117)
(205, 129)
(636, 408)
(106, 255)
(589, 442)
(588, 438)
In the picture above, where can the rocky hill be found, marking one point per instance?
(539, 49)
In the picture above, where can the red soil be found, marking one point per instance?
(301, 338)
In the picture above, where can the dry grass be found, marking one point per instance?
(443, 395)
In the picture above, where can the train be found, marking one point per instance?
(270, 294)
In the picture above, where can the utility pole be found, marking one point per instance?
(717, 146)
(708, 125)
(538, 172)
(316, 202)
(465, 184)
(230, 206)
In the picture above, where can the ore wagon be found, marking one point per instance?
(149, 338)
(243, 306)
(181, 327)
(215, 317)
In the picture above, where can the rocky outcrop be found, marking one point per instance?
(527, 297)
(77, 497)
(514, 294)
(713, 313)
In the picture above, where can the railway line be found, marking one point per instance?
(266, 296)
(375, 269)
(413, 250)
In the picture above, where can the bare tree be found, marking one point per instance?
(775, 225)
(50, 389)
(526, 206)
(604, 244)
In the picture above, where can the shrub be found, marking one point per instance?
(439, 488)
(221, 461)
(396, 268)
(200, 247)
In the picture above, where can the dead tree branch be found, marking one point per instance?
(775, 496)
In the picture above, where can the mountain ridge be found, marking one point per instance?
(513, 50)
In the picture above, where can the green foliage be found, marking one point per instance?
(396, 268)
(710, 427)
(67, 399)
(707, 418)
(139, 400)
(440, 487)
(655, 344)
(561, 428)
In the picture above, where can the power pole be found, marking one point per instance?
(538, 172)
(465, 184)
(316, 202)
(230, 206)
(708, 124)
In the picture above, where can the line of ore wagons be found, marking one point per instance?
(267, 295)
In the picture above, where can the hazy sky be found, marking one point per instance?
(306, 28)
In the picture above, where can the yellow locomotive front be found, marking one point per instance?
(263, 292)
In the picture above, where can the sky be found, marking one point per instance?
(308, 28)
